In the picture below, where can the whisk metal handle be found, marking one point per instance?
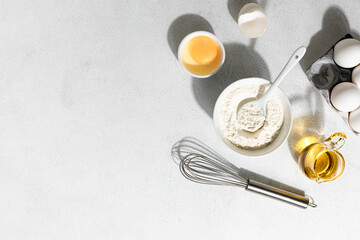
(279, 194)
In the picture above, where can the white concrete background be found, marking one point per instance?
(92, 100)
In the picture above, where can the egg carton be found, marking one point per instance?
(324, 74)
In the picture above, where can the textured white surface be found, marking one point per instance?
(92, 99)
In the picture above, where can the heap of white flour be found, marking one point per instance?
(234, 129)
(251, 117)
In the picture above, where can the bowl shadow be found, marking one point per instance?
(183, 26)
(240, 62)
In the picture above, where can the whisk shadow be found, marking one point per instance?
(190, 146)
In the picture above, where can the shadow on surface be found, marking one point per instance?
(240, 62)
(307, 128)
(334, 26)
(209, 165)
(184, 25)
(234, 6)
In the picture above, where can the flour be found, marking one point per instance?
(234, 129)
(251, 117)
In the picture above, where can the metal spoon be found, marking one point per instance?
(261, 102)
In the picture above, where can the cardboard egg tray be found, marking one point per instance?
(324, 74)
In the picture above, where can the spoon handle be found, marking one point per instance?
(294, 59)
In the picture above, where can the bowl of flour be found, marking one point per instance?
(230, 124)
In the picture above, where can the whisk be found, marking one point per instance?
(200, 164)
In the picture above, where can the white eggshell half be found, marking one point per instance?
(347, 53)
(354, 120)
(252, 20)
(345, 97)
(356, 76)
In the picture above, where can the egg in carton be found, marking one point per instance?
(325, 74)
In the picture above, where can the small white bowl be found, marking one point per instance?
(196, 34)
(252, 20)
(285, 129)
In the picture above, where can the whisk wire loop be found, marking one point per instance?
(199, 163)
(207, 170)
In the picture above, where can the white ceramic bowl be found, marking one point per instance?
(252, 20)
(196, 34)
(285, 129)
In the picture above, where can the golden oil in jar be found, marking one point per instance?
(320, 163)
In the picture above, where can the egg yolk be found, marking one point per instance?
(203, 49)
(201, 55)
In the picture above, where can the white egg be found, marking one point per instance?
(356, 76)
(252, 20)
(347, 53)
(345, 97)
(354, 120)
